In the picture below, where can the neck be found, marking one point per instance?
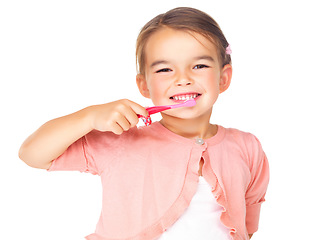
(199, 127)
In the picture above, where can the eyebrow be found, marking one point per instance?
(203, 57)
(159, 62)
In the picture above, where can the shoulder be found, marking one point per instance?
(101, 138)
(241, 137)
(130, 137)
(248, 143)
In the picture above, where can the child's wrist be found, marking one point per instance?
(88, 116)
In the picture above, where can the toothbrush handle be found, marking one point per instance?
(156, 109)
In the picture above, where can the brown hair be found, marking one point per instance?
(186, 19)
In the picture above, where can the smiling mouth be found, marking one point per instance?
(184, 97)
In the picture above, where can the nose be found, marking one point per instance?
(183, 80)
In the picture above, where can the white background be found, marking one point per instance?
(59, 56)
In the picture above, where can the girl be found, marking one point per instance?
(182, 177)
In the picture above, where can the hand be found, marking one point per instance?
(116, 117)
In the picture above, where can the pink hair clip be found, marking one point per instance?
(228, 50)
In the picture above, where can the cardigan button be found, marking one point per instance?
(199, 141)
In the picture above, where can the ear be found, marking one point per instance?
(225, 78)
(142, 85)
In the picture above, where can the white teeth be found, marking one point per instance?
(185, 97)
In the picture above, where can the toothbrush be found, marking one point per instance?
(156, 109)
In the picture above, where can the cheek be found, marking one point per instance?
(211, 82)
(158, 88)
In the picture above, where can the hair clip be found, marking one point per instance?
(228, 50)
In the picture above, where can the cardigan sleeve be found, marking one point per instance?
(75, 158)
(255, 194)
(92, 153)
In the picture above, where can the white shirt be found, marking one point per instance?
(201, 220)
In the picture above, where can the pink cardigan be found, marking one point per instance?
(149, 176)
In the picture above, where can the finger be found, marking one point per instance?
(117, 129)
(131, 116)
(123, 123)
(138, 109)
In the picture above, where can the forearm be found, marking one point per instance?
(53, 138)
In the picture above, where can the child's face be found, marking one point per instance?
(180, 66)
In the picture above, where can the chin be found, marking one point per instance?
(183, 115)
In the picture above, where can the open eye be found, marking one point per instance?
(200, 66)
(164, 70)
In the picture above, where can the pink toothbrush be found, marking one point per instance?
(157, 109)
